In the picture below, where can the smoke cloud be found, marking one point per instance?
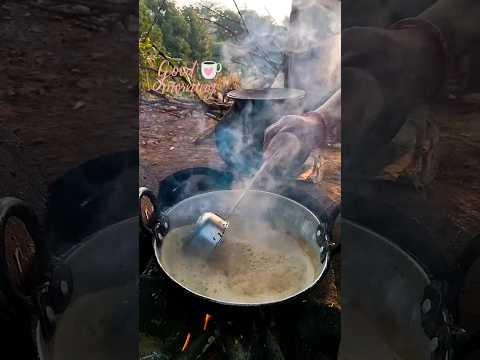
(305, 54)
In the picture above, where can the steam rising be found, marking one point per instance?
(264, 259)
(314, 49)
(311, 44)
(305, 56)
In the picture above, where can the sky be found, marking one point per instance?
(278, 9)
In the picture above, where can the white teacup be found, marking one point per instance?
(210, 69)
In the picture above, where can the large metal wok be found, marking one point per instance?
(399, 296)
(82, 304)
(79, 303)
(100, 321)
(274, 210)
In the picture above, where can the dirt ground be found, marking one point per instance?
(460, 160)
(65, 97)
(166, 145)
(166, 140)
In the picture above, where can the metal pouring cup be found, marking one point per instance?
(207, 235)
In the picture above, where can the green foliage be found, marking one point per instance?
(191, 33)
(198, 38)
(180, 32)
(175, 29)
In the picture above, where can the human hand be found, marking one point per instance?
(308, 129)
(289, 141)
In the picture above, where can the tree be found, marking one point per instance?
(207, 31)
(148, 28)
(175, 29)
(198, 38)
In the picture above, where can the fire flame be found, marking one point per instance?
(206, 320)
(187, 341)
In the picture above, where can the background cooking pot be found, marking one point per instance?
(278, 211)
(239, 136)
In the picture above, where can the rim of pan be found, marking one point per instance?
(267, 94)
(317, 278)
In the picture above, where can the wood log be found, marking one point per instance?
(205, 134)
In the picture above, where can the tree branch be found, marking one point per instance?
(220, 26)
(221, 15)
(155, 19)
(241, 17)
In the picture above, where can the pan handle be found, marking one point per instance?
(328, 237)
(466, 342)
(152, 220)
(148, 209)
(328, 233)
(154, 225)
(440, 310)
(335, 231)
(161, 227)
(54, 295)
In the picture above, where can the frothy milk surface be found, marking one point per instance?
(255, 263)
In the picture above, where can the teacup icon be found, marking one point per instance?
(210, 69)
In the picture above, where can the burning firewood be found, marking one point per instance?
(207, 319)
(195, 347)
(204, 134)
(187, 341)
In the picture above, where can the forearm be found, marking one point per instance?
(329, 114)
(332, 109)
(406, 61)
